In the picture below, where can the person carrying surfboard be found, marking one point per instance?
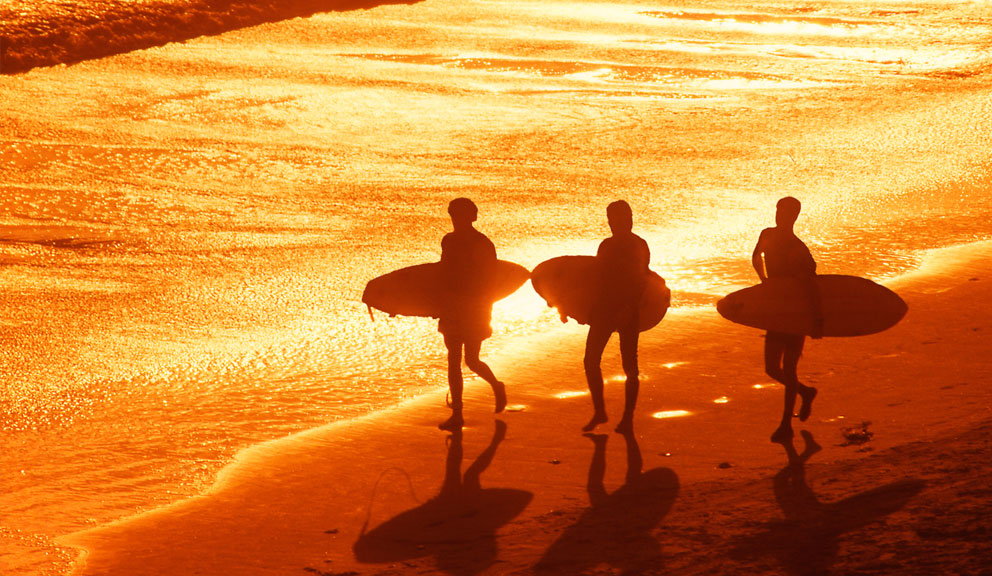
(468, 262)
(624, 265)
(779, 253)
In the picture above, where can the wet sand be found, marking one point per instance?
(700, 493)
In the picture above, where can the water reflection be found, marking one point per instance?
(807, 541)
(616, 529)
(458, 526)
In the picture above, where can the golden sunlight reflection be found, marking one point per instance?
(763, 386)
(786, 28)
(671, 414)
(597, 75)
(590, 12)
(721, 400)
(522, 305)
(571, 394)
(671, 365)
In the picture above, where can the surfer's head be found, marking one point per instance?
(462, 211)
(620, 217)
(787, 210)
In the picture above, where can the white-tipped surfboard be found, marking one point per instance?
(419, 290)
(852, 306)
(571, 284)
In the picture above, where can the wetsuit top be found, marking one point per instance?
(468, 262)
(624, 260)
(785, 254)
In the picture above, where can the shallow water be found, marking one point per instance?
(186, 230)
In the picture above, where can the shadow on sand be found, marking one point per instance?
(807, 541)
(79, 33)
(458, 526)
(616, 529)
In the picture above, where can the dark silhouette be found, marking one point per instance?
(458, 526)
(468, 262)
(624, 259)
(807, 540)
(616, 529)
(779, 253)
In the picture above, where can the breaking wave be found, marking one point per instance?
(35, 38)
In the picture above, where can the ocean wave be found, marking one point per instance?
(36, 38)
(756, 18)
(977, 69)
(579, 70)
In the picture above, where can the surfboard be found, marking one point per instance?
(419, 291)
(852, 306)
(571, 284)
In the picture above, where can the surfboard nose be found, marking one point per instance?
(728, 306)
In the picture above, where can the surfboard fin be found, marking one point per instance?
(371, 315)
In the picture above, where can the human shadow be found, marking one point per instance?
(616, 529)
(458, 526)
(806, 542)
(50, 37)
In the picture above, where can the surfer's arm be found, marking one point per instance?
(447, 274)
(757, 257)
(816, 302)
(446, 248)
(489, 257)
(485, 266)
(644, 255)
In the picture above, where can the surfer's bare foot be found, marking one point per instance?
(807, 393)
(452, 424)
(597, 419)
(625, 425)
(499, 390)
(783, 434)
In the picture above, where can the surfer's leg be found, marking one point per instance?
(628, 354)
(808, 394)
(774, 350)
(595, 344)
(791, 351)
(472, 360)
(455, 385)
(790, 366)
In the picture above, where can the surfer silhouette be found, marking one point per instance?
(624, 258)
(468, 262)
(780, 253)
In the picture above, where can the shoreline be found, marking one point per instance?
(275, 477)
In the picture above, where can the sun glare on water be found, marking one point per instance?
(671, 414)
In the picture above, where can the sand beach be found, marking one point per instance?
(703, 493)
